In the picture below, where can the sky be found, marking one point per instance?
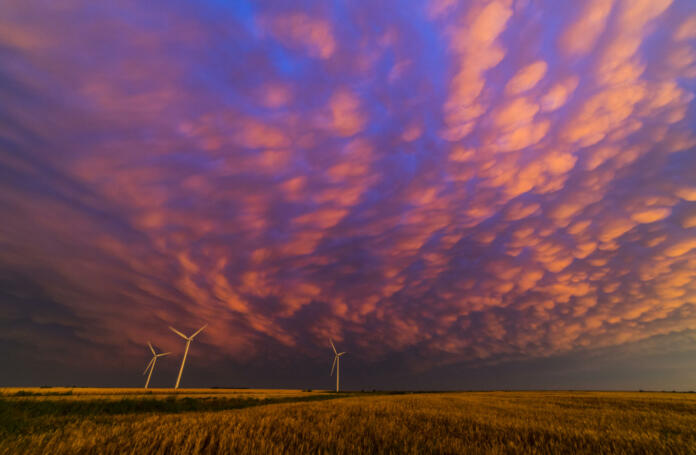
(462, 194)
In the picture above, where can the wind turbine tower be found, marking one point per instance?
(336, 362)
(153, 360)
(188, 343)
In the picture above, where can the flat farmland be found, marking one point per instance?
(209, 421)
(80, 393)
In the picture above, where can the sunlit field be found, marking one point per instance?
(83, 393)
(116, 421)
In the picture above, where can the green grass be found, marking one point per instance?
(18, 416)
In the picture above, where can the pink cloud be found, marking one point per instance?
(442, 183)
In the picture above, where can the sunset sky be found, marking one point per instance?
(463, 194)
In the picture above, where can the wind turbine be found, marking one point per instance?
(336, 362)
(188, 343)
(151, 365)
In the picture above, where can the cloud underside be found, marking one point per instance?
(459, 180)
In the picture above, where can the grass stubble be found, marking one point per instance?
(104, 421)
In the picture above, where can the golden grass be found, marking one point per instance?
(494, 422)
(92, 393)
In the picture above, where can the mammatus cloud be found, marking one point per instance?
(455, 181)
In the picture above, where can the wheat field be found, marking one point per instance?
(106, 393)
(206, 421)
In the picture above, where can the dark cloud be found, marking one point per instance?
(439, 185)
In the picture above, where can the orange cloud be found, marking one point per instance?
(526, 78)
(680, 247)
(474, 42)
(581, 36)
(275, 95)
(651, 215)
(446, 182)
(687, 29)
(603, 113)
(559, 94)
(346, 117)
(314, 35)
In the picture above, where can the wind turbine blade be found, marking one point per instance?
(148, 365)
(198, 331)
(333, 366)
(178, 333)
(151, 348)
(163, 354)
(332, 346)
(340, 354)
